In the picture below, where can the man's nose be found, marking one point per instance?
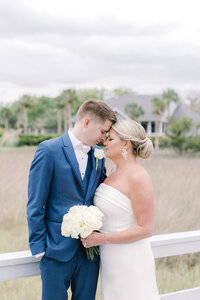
(103, 138)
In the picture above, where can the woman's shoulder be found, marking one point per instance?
(140, 185)
(138, 175)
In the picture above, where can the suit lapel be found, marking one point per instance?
(71, 157)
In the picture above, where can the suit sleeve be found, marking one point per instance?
(38, 189)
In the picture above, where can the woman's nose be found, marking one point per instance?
(105, 142)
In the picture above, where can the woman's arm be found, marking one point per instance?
(142, 199)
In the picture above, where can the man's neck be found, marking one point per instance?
(77, 134)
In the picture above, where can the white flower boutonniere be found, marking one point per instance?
(98, 154)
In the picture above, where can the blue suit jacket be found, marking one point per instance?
(55, 185)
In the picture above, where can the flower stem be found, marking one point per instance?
(90, 252)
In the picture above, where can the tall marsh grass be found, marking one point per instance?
(176, 181)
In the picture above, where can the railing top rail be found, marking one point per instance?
(163, 245)
(172, 237)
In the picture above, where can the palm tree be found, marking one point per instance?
(69, 105)
(17, 108)
(26, 101)
(66, 116)
(134, 111)
(71, 102)
(170, 96)
(6, 113)
(59, 106)
(158, 107)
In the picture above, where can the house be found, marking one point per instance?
(184, 111)
(147, 120)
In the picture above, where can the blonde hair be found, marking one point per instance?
(130, 130)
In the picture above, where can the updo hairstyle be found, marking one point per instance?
(130, 130)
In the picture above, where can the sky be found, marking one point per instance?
(47, 46)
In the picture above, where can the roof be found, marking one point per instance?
(184, 111)
(120, 115)
(144, 101)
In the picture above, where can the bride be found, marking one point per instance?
(126, 198)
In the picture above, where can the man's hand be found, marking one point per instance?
(40, 255)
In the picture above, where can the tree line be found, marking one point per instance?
(46, 115)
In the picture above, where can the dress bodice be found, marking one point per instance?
(126, 268)
(116, 207)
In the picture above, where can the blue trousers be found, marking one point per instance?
(79, 272)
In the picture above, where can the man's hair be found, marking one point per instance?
(97, 109)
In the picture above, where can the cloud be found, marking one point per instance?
(44, 45)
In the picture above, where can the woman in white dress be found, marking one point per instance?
(126, 198)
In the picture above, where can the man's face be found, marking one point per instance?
(96, 131)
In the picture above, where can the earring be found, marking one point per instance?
(124, 154)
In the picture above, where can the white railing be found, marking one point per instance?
(22, 264)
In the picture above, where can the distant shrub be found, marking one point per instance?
(33, 139)
(178, 132)
(164, 142)
(1, 131)
(193, 143)
(152, 138)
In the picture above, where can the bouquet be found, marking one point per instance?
(82, 220)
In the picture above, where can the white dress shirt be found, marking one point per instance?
(81, 151)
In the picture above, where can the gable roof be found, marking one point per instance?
(120, 115)
(145, 101)
(184, 111)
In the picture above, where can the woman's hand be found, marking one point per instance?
(94, 239)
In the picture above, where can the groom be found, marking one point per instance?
(63, 174)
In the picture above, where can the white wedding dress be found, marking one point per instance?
(127, 270)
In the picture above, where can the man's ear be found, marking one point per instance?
(86, 122)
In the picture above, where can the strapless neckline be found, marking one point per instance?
(122, 194)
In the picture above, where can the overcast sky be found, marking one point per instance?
(148, 45)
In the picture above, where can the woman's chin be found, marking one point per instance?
(107, 154)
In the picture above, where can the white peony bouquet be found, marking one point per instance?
(82, 220)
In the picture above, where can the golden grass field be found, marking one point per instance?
(176, 181)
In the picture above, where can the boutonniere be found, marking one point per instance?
(98, 154)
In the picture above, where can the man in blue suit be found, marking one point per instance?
(63, 174)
